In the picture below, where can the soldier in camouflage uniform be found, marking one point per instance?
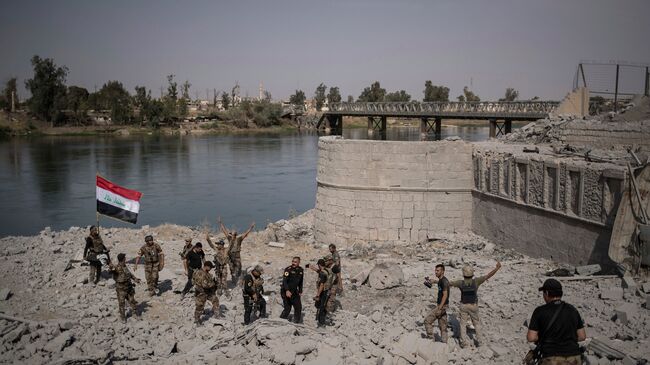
(333, 272)
(154, 261)
(94, 247)
(252, 292)
(234, 249)
(205, 289)
(124, 286)
(220, 264)
(186, 249)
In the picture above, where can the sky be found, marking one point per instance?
(533, 46)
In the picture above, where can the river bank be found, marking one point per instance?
(66, 319)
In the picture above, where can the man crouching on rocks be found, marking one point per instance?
(124, 286)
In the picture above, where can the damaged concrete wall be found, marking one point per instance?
(606, 134)
(545, 206)
(386, 191)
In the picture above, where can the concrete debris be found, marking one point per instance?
(5, 294)
(605, 349)
(385, 276)
(611, 293)
(629, 283)
(55, 317)
(626, 312)
(277, 244)
(588, 269)
(646, 288)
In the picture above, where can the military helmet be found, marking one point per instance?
(468, 271)
(259, 269)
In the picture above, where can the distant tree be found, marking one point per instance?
(225, 100)
(319, 96)
(170, 100)
(114, 96)
(47, 88)
(350, 99)
(141, 98)
(535, 98)
(77, 102)
(511, 95)
(267, 96)
(398, 96)
(468, 95)
(334, 96)
(298, 98)
(373, 93)
(9, 91)
(435, 92)
(186, 90)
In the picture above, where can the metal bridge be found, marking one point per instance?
(500, 114)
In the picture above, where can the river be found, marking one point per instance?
(188, 180)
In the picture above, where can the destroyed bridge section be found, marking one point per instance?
(500, 114)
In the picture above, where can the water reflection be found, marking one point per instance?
(50, 181)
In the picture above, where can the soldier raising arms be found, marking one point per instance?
(220, 263)
(234, 249)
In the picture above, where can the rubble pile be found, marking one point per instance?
(50, 314)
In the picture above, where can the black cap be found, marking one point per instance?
(209, 264)
(121, 257)
(148, 238)
(199, 244)
(551, 285)
(321, 262)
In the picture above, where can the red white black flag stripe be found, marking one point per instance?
(117, 202)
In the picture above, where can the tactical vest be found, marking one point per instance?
(121, 275)
(150, 253)
(97, 244)
(330, 279)
(468, 292)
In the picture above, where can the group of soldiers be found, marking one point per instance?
(556, 327)
(208, 287)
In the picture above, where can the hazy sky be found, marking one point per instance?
(533, 46)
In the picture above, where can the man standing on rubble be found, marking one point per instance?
(220, 263)
(92, 251)
(291, 290)
(252, 292)
(440, 311)
(234, 249)
(323, 285)
(556, 327)
(469, 302)
(205, 289)
(154, 261)
(193, 262)
(124, 287)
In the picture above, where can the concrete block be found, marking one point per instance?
(626, 312)
(277, 244)
(588, 269)
(5, 294)
(611, 293)
(629, 283)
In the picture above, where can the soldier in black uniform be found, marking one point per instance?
(291, 290)
(252, 291)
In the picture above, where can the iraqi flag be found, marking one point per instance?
(117, 202)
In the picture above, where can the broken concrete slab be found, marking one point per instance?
(626, 312)
(629, 283)
(588, 269)
(385, 276)
(60, 342)
(611, 293)
(277, 244)
(646, 288)
(5, 294)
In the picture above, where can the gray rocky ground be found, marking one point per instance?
(67, 321)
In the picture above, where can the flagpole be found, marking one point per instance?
(96, 212)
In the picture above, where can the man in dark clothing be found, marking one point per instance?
(440, 311)
(252, 291)
(291, 290)
(193, 261)
(559, 342)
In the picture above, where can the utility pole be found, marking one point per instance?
(261, 90)
(13, 101)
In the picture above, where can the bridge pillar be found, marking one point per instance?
(377, 124)
(335, 124)
(508, 126)
(438, 127)
(493, 128)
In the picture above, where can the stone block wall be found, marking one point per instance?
(389, 191)
(606, 134)
(545, 206)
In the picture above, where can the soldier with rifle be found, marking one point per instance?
(252, 292)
